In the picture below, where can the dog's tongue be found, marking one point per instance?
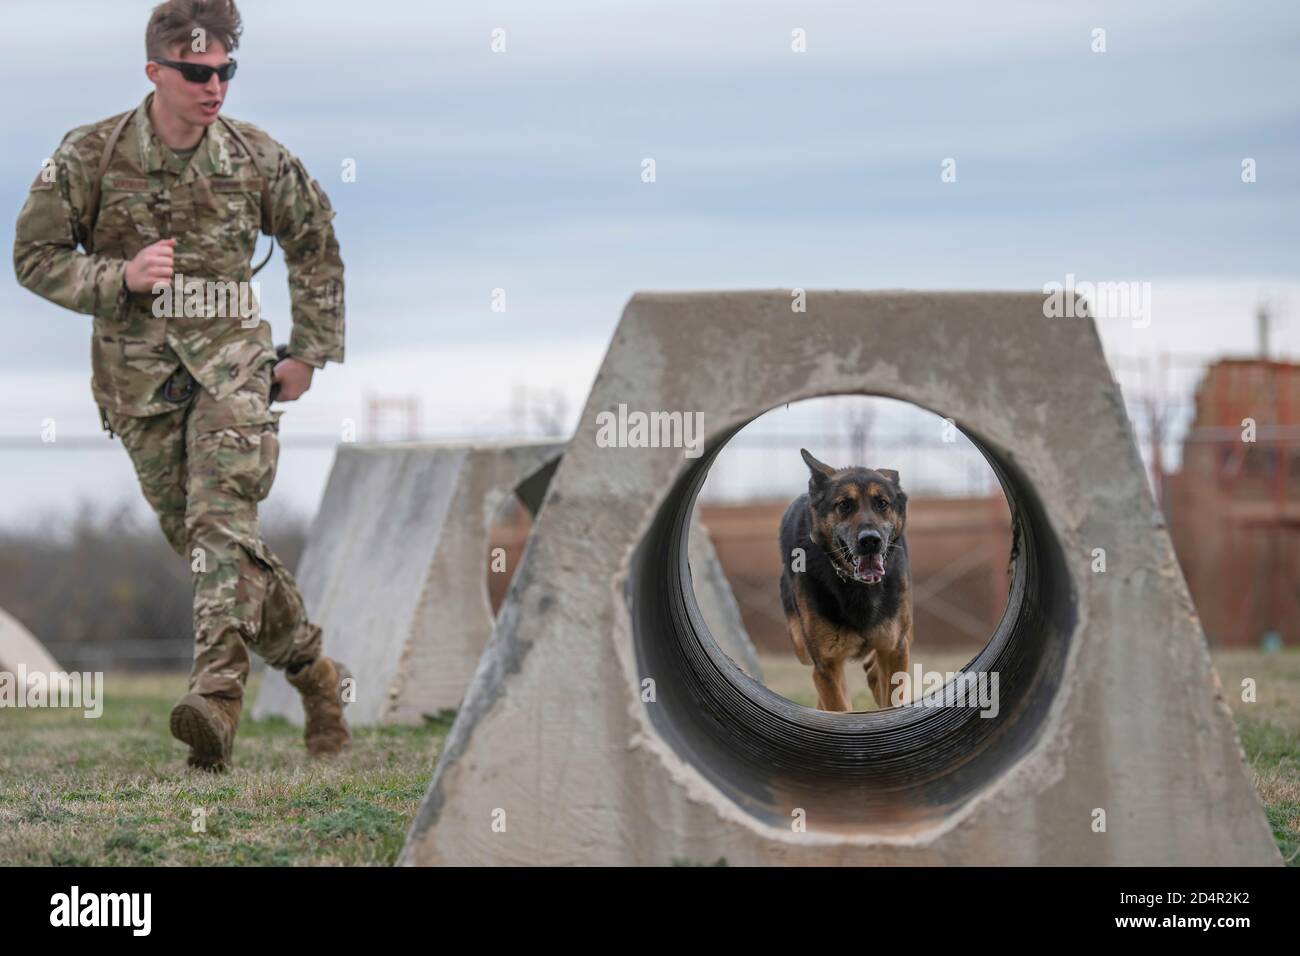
(877, 564)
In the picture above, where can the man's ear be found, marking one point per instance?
(819, 473)
(151, 71)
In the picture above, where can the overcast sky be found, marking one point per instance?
(522, 170)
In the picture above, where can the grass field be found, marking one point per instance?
(116, 791)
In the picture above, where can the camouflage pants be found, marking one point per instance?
(203, 468)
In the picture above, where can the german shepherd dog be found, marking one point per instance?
(849, 598)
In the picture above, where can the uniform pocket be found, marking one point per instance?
(270, 457)
(237, 204)
(126, 220)
(240, 460)
(235, 441)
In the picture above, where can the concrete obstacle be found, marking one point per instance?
(394, 519)
(395, 571)
(603, 726)
(18, 648)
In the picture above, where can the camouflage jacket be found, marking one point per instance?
(211, 206)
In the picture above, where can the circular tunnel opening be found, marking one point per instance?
(894, 770)
(955, 528)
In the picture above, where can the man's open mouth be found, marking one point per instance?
(869, 568)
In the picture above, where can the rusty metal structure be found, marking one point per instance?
(1234, 507)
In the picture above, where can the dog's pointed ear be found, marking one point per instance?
(820, 472)
(890, 474)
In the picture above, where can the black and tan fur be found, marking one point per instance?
(834, 609)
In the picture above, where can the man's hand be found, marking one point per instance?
(151, 265)
(293, 377)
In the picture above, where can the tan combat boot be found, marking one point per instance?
(208, 725)
(320, 684)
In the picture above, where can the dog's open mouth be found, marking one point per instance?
(869, 568)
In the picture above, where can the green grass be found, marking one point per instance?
(1272, 752)
(115, 791)
(1270, 734)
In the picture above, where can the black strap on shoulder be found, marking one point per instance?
(97, 185)
(266, 193)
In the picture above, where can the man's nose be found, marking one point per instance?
(869, 541)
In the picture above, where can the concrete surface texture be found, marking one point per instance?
(602, 727)
(395, 572)
(395, 567)
(18, 647)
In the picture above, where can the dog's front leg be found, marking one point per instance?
(869, 665)
(888, 664)
(828, 678)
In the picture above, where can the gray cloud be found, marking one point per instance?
(521, 171)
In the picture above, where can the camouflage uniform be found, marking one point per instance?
(188, 394)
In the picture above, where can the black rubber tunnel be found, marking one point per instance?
(894, 770)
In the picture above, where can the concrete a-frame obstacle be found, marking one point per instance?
(1112, 743)
(18, 648)
(393, 519)
(395, 572)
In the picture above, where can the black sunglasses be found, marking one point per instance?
(198, 72)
